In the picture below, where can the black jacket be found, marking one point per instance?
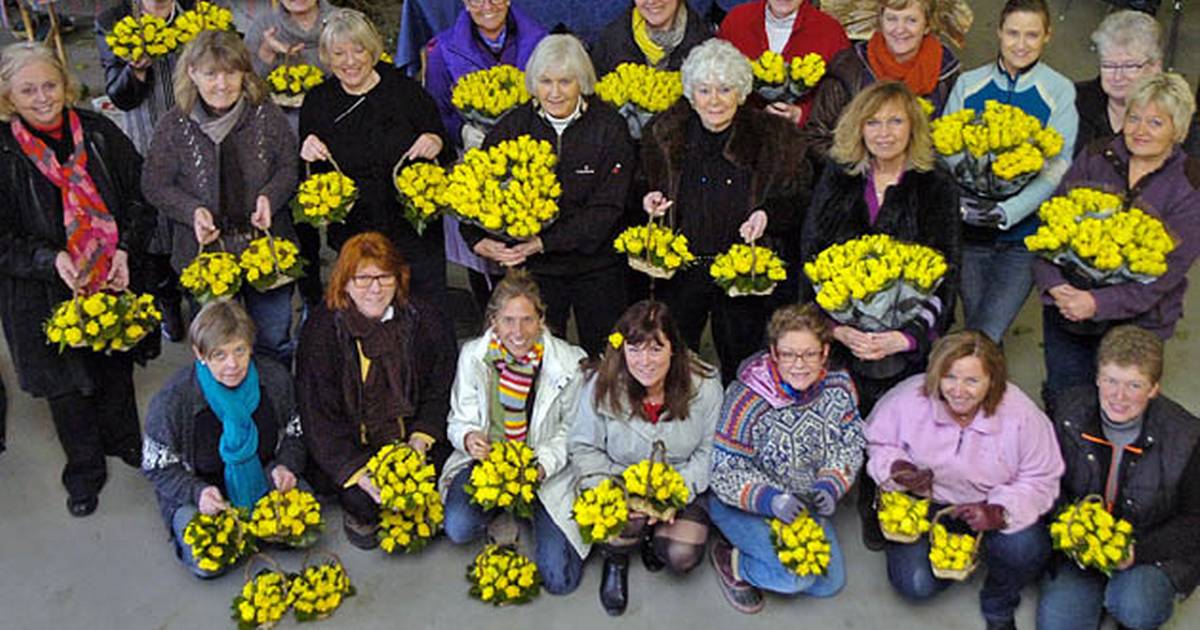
(32, 234)
(125, 90)
(615, 45)
(1159, 486)
(596, 160)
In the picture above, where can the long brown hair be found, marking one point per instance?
(365, 249)
(615, 387)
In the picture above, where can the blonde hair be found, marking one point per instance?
(1171, 92)
(15, 57)
(223, 50)
(218, 323)
(350, 26)
(1132, 346)
(848, 145)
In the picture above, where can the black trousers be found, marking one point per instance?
(482, 285)
(597, 297)
(103, 422)
(738, 324)
(309, 243)
(364, 509)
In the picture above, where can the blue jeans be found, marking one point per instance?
(1141, 597)
(1013, 561)
(560, 566)
(272, 315)
(1070, 357)
(996, 278)
(757, 562)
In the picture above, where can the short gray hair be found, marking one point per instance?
(717, 61)
(561, 52)
(1134, 31)
(1171, 92)
(15, 57)
(218, 323)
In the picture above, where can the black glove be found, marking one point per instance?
(981, 212)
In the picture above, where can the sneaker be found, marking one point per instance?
(361, 535)
(740, 594)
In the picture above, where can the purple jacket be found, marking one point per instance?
(458, 51)
(1171, 193)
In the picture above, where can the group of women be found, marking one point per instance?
(209, 161)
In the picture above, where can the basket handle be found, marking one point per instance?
(396, 169)
(271, 564)
(311, 554)
(577, 486)
(879, 492)
(937, 517)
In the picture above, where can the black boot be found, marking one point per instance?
(614, 583)
(172, 322)
(650, 559)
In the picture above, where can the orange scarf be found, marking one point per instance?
(920, 73)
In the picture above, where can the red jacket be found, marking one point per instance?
(813, 31)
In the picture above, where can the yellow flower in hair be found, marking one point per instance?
(615, 340)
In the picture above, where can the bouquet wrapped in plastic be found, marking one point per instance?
(639, 92)
(996, 152)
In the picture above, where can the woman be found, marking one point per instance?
(59, 166)
(964, 436)
(905, 47)
(648, 389)
(996, 274)
(792, 28)
(1148, 168)
(572, 260)
(542, 379)
(287, 34)
(487, 34)
(374, 366)
(372, 100)
(658, 33)
(723, 173)
(1138, 450)
(767, 462)
(222, 168)
(223, 431)
(1129, 47)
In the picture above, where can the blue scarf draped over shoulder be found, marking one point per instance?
(245, 481)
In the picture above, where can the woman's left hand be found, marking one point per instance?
(754, 227)
(283, 478)
(261, 218)
(787, 111)
(1128, 562)
(419, 443)
(118, 272)
(427, 146)
(522, 251)
(1076, 305)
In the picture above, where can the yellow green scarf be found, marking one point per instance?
(641, 36)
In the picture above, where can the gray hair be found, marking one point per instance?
(717, 61)
(349, 26)
(15, 57)
(1133, 31)
(1171, 92)
(561, 52)
(218, 323)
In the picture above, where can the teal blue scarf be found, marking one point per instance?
(245, 482)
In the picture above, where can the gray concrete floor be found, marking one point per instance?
(116, 570)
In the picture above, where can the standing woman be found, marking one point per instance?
(222, 168)
(71, 213)
(572, 260)
(657, 33)
(366, 119)
(649, 389)
(996, 274)
(1128, 47)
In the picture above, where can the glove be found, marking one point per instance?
(915, 480)
(472, 136)
(982, 517)
(981, 212)
(786, 507)
(823, 503)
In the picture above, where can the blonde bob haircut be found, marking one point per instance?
(967, 343)
(560, 52)
(347, 26)
(849, 148)
(222, 51)
(1169, 91)
(15, 57)
(220, 322)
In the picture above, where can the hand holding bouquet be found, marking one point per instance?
(801, 546)
(148, 36)
(507, 479)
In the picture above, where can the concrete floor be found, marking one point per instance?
(115, 569)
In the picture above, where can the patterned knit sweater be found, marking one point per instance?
(770, 442)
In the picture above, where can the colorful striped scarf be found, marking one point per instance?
(514, 383)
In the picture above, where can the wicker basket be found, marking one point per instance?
(640, 264)
(896, 537)
(957, 575)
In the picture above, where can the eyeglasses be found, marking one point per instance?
(385, 280)
(1122, 68)
(475, 4)
(809, 357)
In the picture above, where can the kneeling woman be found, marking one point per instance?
(963, 435)
(518, 382)
(790, 434)
(360, 383)
(223, 431)
(649, 389)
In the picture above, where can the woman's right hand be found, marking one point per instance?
(211, 502)
(655, 203)
(477, 445)
(368, 486)
(66, 269)
(494, 250)
(204, 226)
(313, 150)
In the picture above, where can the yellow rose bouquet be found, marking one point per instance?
(270, 262)
(291, 518)
(996, 152)
(319, 589)
(875, 283)
(655, 488)
(205, 16)
(777, 80)
(804, 73)
(483, 96)
(747, 270)
(411, 508)
(801, 546)
(507, 479)
(601, 512)
(134, 38)
(509, 189)
(501, 576)
(324, 198)
(218, 540)
(952, 556)
(263, 600)
(639, 92)
(421, 187)
(103, 322)
(1098, 241)
(902, 517)
(1091, 536)
(211, 276)
(289, 83)
(654, 249)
